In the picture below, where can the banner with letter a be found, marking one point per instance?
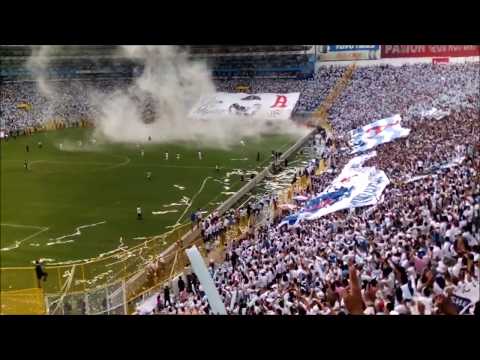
(376, 133)
(262, 106)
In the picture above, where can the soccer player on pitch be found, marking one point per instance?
(139, 213)
(149, 175)
(166, 155)
(199, 155)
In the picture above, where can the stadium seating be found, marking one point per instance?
(415, 252)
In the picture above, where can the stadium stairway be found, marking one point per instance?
(320, 116)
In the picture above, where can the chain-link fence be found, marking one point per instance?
(106, 300)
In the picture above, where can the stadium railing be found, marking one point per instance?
(84, 277)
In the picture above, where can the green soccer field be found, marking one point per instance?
(76, 202)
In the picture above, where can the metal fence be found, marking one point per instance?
(87, 276)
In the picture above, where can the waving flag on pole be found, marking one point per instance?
(356, 186)
(376, 133)
(291, 220)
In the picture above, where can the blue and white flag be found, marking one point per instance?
(356, 186)
(291, 220)
(376, 133)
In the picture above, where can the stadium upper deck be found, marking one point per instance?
(293, 61)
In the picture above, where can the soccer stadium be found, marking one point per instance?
(240, 180)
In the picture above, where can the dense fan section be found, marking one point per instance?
(415, 252)
(385, 217)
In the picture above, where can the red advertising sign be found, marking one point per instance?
(443, 60)
(406, 51)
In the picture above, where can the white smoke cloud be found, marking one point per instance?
(172, 83)
(38, 63)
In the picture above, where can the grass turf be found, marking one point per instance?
(103, 184)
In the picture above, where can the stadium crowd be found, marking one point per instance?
(408, 90)
(377, 92)
(69, 101)
(409, 254)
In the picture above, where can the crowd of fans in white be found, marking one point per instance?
(410, 253)
(70, 101)
(407, 255)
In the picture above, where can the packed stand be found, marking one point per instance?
(410, 253)
(70, 101)
(377, 92)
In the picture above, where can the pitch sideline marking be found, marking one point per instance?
(191, 201)
(18, 242)
(77, 232)
(121, 164)
(125, 162)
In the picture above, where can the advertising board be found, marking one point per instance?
(349, 52)
(406, 51)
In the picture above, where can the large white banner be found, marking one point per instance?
(356, 186)
(262, 106)
(376, 133)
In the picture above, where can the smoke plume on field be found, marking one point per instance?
(157, 104)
